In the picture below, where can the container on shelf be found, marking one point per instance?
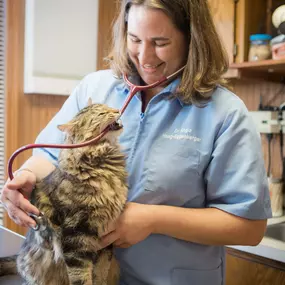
(260, 48)
(278, 47)
(278, 51)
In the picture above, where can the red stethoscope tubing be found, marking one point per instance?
(133, 90)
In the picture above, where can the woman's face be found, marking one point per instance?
(155, 45)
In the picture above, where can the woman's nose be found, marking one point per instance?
(146, 54)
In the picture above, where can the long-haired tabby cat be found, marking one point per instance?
(79, 198)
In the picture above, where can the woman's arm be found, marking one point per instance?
(209, 226)
(39, 165)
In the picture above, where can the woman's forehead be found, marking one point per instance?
(142, 19)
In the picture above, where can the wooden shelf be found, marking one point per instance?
(271, 66)
(272, 70)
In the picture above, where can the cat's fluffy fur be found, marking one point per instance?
(80, 198)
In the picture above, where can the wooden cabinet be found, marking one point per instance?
(236, 20)
(224, 18)
(252, 17)
(248, 269)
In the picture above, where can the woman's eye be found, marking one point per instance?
(134, 40)
(159, 44)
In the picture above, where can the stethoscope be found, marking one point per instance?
(133, 90)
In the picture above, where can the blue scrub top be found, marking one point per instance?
(179, 155)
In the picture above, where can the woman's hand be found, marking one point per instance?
(133, 226)
(15, 195)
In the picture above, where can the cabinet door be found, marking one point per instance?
(247, 269)
(223, 15)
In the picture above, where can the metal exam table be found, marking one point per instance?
(10, 244)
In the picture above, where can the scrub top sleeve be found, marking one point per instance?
(51, 134)
(236, 179)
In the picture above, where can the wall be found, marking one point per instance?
(26, 115)
(273, 94)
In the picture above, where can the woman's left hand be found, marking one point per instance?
(133, 226)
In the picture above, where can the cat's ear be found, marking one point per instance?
(66, 128)
(89, 101)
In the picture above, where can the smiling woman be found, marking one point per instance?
(155, 50)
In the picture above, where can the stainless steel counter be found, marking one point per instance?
(10, 244)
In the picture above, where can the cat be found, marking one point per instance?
(85, 192)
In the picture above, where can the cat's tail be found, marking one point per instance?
(8, 265)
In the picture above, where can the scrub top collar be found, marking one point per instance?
(167, 91)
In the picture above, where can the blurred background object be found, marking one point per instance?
(278, 43)
(278, 19)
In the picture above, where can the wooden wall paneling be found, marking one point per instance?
(107, 13)
(14, 76)
(14, 84)
(26, 115)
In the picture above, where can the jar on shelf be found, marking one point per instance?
(260, 48)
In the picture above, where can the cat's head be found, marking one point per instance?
(90, 122)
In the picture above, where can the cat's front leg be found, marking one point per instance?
(103, 270)
(114, 272)
(79, 270)
(106, 270)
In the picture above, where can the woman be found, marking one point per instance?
(196, 175)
